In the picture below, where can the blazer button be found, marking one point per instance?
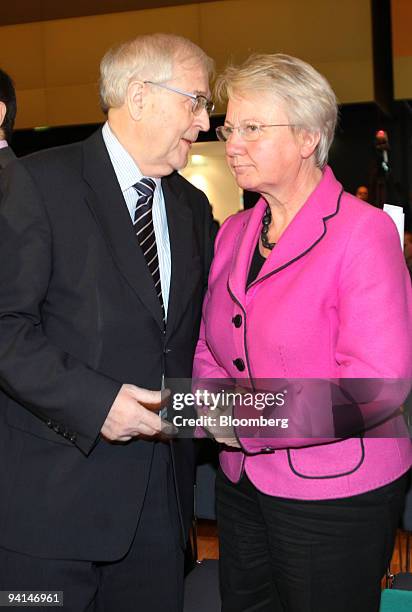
(237, 320)
(73, 438)
(49, 423)
(57, 428)
(239, 363)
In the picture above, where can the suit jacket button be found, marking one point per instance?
(237, 320)
(66, 434)
(49, 423)
(239, 363)
(73, 438)
(57, 428)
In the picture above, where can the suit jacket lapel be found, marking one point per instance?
(107, 204)
(179, 219)
(6, 156)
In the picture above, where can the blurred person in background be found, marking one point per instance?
(362, 193)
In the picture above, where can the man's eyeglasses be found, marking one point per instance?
(248, 130)
(199, 101)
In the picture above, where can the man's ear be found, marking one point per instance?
(3, 110)
(308, 142)
(134, 99)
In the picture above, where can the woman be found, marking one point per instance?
(310, 283)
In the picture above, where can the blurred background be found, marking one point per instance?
(52, 51)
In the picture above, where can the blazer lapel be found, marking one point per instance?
(107, 204)
(244, 246)
(179, 219)
(6, 156)
(308, 227)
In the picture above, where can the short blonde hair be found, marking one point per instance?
(305, 94)
(148, 57)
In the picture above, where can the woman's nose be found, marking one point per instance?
(234, 144)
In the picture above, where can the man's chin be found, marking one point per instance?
(181, 162)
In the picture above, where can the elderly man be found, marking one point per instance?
(8, 110)
(108, 251)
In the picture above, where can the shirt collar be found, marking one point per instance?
(126, 169)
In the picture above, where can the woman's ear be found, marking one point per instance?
(134, 99)
(308, 142)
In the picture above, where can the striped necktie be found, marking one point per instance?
(143, 225)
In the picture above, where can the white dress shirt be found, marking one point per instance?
(128, 174)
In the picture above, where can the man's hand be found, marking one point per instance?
(133, 413)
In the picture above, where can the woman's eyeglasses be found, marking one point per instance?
(248, 130)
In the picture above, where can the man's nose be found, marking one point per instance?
(202, 121)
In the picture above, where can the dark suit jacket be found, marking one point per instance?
(78, 317)
(6, 156)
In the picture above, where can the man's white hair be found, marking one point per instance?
(149, 57)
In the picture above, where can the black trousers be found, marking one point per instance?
(283, 555)
(148, 579)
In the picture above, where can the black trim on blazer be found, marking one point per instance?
(333, 475)
(234, 298)
(304, 252)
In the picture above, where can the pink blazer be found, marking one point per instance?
(333, 300)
